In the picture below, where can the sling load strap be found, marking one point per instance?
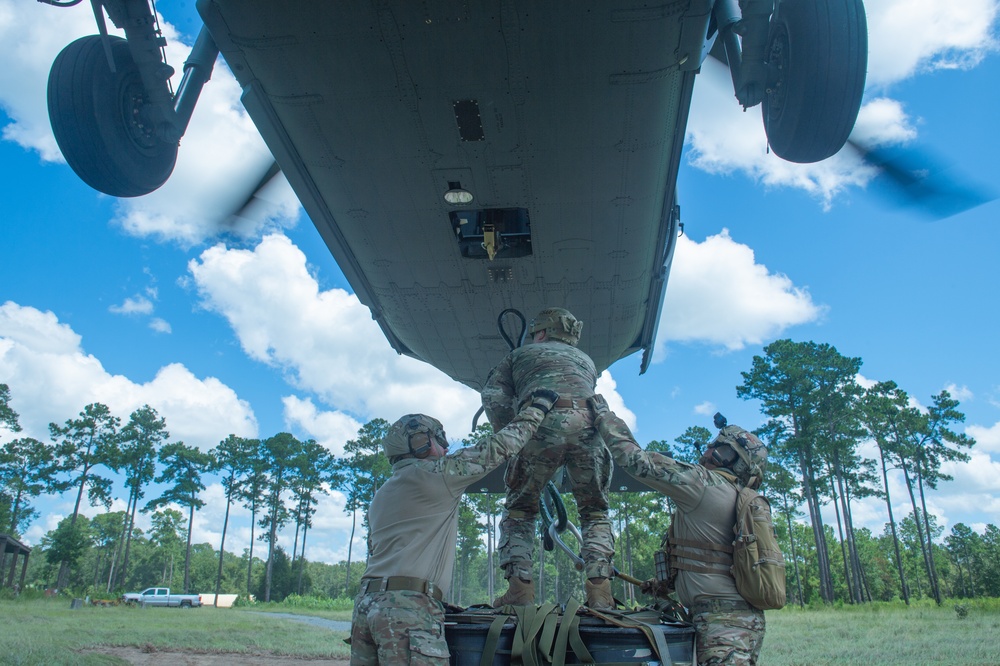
(651, 630)
(558, 654)
(492, 638)
(573, 630)
(542, 637)
(530, 622)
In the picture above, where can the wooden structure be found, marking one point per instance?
(14, 548)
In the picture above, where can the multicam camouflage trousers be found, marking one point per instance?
(399, 627)
(564, 438)
(732, 638)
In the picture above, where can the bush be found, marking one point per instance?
(318, 603)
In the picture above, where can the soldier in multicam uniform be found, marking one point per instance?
(729, 630)
(413, 526)
(567, 437)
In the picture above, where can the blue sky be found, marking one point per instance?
(139, 301)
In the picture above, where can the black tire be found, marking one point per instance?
(185, 604)
(95, 118)
(817, 57)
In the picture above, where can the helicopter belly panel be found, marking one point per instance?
(565, 125)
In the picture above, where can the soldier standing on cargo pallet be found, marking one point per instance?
(567, 437)
(729, 630)
(413, 526)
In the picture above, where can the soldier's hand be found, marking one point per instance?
(543, 399)
(598, 405)
(655, 588)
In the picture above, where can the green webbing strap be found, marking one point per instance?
(558, 656)
(531, 619)
(651, 630)
(579, 649)
(492, 638)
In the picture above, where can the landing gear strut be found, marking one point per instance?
(113, 114)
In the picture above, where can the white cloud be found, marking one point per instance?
(907, 37)
(608, 387)
(749, 304)
(220, 156)
(960, 393)
(327, 343)
(706, 408)
(987, 437)
(52, 379)
(134, 305)
(330, 429)
(160, 325)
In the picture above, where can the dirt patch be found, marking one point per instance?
(152, 656)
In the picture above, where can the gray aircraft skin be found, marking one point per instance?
(462, 159)
(565, 124)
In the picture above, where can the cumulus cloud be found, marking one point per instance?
(749, 303)
(907, 37)
(160, 325)
(330, 429)
(326, 343)
(220, 158)
(52, 378)
(134, 305)
(987, 437)
(706, 408)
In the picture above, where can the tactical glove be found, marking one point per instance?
(543, 399)
(598, 406)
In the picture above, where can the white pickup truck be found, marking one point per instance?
(160, 596)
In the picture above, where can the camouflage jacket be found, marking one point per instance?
(552, 364)
(413, 519)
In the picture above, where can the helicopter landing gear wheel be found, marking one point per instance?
(96, 116)
(817, 59)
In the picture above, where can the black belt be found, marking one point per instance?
(563, 403)
(394, 583)
(721, 606)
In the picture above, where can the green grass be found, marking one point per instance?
(48, 632)
(883, 634)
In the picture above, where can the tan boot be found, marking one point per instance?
(599, 595)
(519, 592)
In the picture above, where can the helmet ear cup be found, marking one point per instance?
(724, 455)
(422, 451)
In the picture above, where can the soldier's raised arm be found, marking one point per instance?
(474, 462)
(654, 469)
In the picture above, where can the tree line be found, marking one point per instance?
(832, 443)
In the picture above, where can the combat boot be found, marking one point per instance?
(599, 595)
(519, 592)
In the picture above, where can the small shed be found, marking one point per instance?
(9, 546)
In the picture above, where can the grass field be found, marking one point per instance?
(884, 634)
(48, 632)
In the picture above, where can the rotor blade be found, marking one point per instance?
(929, 185)
(245, 202)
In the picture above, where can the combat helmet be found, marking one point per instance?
(558, 324)
(750, 460)
(398, 442)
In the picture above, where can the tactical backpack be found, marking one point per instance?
(755, 560)
(758, 565)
